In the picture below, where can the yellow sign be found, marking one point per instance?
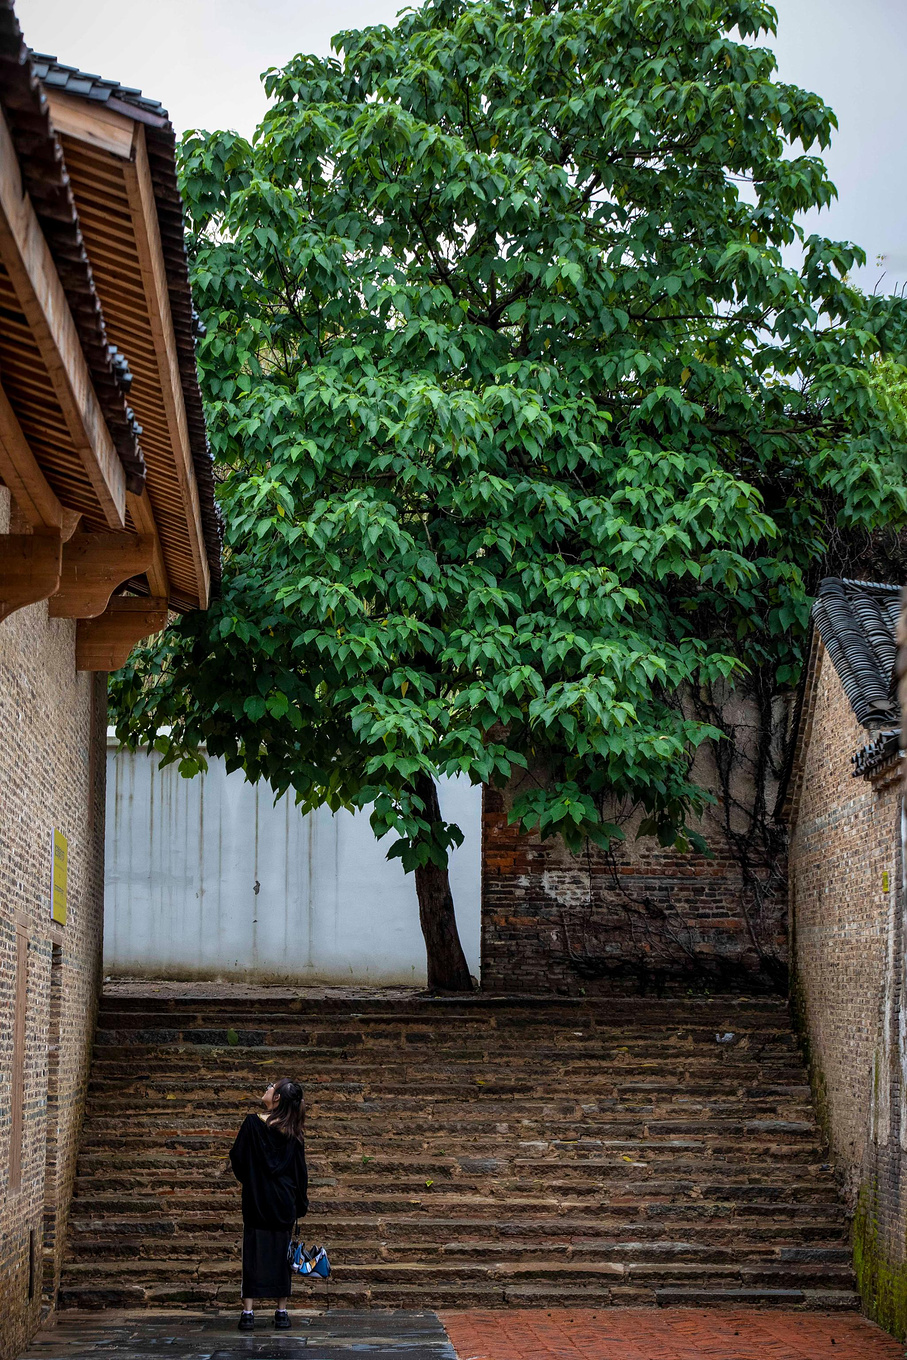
(59, 878)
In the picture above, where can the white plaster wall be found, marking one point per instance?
(207, 878)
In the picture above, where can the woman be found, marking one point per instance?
(268, 1160)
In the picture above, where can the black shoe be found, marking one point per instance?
(246, 1322)
(281, 1319)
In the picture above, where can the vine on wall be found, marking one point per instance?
(648, 934)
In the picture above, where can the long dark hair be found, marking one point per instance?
(288, 1115)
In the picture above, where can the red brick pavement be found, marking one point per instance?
(672, 1334)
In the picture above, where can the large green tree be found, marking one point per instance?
(535, 410)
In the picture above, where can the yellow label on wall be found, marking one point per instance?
(885, 881)
(59, 877)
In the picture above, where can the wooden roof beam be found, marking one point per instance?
(140, 190)
(19, 469)
(142, 517)
(91, 123)
(28, 261)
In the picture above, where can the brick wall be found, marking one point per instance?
(52, 770)
(848, 939)
(647, 919)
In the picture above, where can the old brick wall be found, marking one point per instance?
(645, 919)
(847, 928)
(52, 772)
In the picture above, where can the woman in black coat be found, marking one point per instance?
(268, 1159)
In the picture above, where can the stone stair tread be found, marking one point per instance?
(459, 1147)
(680, 1297)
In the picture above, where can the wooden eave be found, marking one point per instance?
(43, 367)
(107, 162)
(26, 383)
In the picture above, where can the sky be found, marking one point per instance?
(203, 58)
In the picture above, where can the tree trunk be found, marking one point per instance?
(448, 970)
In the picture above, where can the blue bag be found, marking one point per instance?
(312, 1262)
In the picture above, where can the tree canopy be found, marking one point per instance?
(533, 405)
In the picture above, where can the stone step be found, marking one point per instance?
(666, 1209)
(409, 1045)
(632, 1016)
(181, 1132)
(219, 1269)
(162, 1099)
(406, 1043)
(336, 1088)
(404, 1228)
(667, 1015)
(324, 1107)
(551, 1027)
(478, 1114)
(226, 1074)
(472, 1152)
(113, 1045)
(579, 1151)
(197, 1044)
(130, 1105)
(561, 1122)
(210, 1176)
(483, 1205)
(626, 1131)
(558, 1135)
(753, 1298)
(467, 1295)
(139, 1240)
(710, 1182)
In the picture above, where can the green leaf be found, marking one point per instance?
(533, 432)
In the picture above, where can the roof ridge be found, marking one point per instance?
(865, 585)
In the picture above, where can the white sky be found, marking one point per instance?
(202, 59)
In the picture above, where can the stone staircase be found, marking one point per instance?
(480, 1152)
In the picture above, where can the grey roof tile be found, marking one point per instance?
(90, 86)
(856, 621)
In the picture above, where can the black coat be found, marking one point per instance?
(272, 1172)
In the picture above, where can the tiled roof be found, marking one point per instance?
(876, 755)
(56, 76)
(856, 621)
(44, 174)
(161, 144)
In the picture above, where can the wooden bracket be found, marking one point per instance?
(93, 566)
(104, 643)
(30, 567)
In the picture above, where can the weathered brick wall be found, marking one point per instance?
(52, 770)
(848, 938)
(647, 919)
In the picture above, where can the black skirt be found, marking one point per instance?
(265, 1268)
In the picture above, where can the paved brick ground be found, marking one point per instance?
(670, 1334)
(536, 1334)
(343, 1334)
